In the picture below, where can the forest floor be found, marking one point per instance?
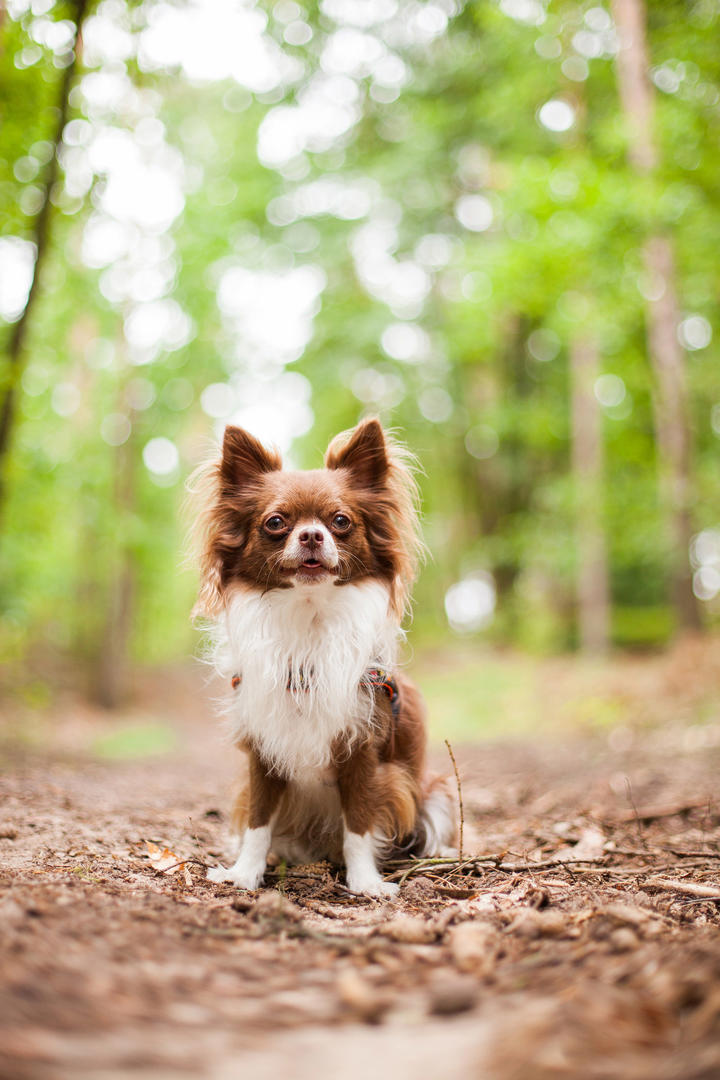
(582, 942)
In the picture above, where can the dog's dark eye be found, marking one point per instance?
(341, 523)
(275, 524)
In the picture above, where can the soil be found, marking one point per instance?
(582, 941)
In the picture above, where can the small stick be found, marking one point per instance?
(690, 888)
(181, 862)
(663, 853)
(547, 864)
(636, 816)
(489, 862)
(654, 813)
(460, 799)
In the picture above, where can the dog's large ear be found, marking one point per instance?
(363, 451)
(244, 458)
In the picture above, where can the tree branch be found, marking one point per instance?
(40, 236)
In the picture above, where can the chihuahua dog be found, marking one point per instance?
(306, 578)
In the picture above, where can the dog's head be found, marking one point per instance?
(265, 527)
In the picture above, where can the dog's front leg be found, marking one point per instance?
(357, 785)
(265, 793)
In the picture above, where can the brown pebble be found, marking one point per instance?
(473, 946)
(419, 888)
(530, 923)
(623, 940)
(359, 997)
(451, 995)
(409, 929)
(273, 905)
(625, 913)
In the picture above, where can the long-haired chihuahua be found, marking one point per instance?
(306, 578)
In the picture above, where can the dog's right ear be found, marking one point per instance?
(362, 451)
(244, 459)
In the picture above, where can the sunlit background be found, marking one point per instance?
(289, 216)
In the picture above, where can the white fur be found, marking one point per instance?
(328, 635)
(439, 819)
(361, 872)
(295, 552)
(248, 870)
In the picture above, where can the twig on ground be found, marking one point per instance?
(636, 817)
(294, 874)
(694, 854)
(460, 799)
(448, 866)
(656, 812)
(653, 853)
(343, 942)
(182, 862)
(546, 864)
(690, 888)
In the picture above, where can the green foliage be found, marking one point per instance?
(136, 740)
(88, 528)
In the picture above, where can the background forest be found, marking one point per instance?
(493, 224)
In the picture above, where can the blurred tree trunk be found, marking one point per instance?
(109, 674)
(670, 398)
(593, 592)
(40, 237)
(500, 486)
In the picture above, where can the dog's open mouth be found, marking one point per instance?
(314, 568)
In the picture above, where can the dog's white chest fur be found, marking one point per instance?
(301, 654)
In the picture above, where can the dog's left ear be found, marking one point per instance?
(363, 451)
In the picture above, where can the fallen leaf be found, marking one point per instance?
(165, 860)
(591, 845)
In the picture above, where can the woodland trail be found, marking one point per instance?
(584, 943)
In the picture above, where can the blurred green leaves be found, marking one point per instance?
(434, 127)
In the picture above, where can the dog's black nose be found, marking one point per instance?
(311, 537)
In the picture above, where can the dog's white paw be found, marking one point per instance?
(242, 877)
(248, 869)
(373, 886)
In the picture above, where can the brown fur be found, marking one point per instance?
(368, 476)
(381, 784)
(380, 781)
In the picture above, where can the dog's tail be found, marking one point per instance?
(436, 826)
(429, 831)
(434, 829)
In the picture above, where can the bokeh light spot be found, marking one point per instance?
(482, 442)
(115, 429)
(474, 212)
(161, 456)
(556, 115)
(609, 390)
(695, 332)
(470, 603)
(217, 400)
(405, 341)
(17, 259)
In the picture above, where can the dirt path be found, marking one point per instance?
(588, 947)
